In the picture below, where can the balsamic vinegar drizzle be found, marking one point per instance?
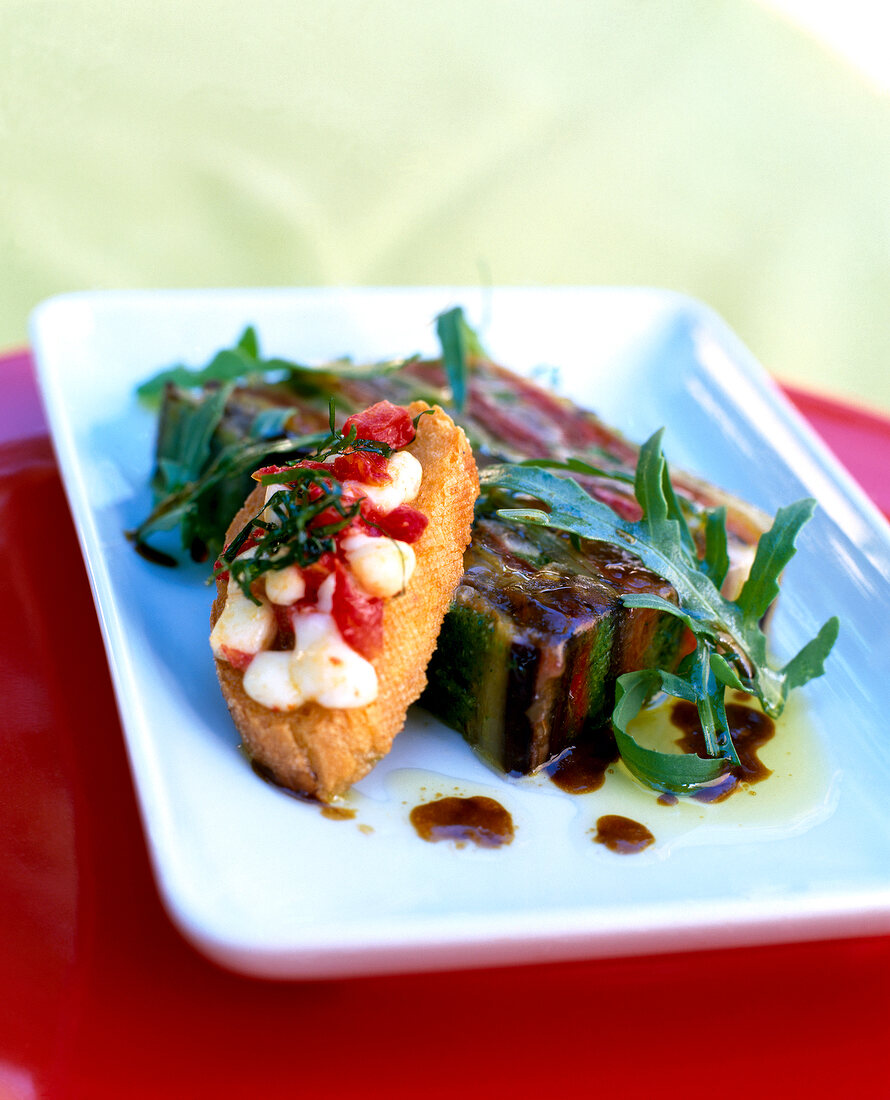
(750, 731)
(580, 769)
(622, 834)
(477, 820)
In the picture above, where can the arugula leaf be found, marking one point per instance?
(249, 343)
(243, 362)
(458, 342)
(809, 662)
(203, 505)
(450, 330)
(731, 648)
(579, 466)
(271, 423)
(285, 530)
(678, 772)
(716, 560)
(185, 435)
(774, 551)
(227, 365)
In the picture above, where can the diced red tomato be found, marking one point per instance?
(359, 617)
(263, 470)
(237, 658)
(404, 523)
(314, 577)
(383, 422)
(252, 539)
(366, 466)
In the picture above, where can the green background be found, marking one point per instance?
(702, 145)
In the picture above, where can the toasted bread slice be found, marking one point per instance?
(320, 751)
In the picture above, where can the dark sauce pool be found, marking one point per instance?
(750, 729)
(582, 768)
(622, 834)
(476, 820)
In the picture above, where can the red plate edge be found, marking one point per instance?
(102, 998)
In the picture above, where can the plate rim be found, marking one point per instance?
(873, 906)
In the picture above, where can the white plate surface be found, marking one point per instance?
(265, 884)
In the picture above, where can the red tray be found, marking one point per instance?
(99, 996)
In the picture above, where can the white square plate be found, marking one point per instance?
(264, 883)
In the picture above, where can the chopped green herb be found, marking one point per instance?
(285, 531)
(336, 442)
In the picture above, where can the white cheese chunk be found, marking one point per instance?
(267, 680)
(326, 668)
(324, 598)
(382, 566)
(321, 667)
(285, 585)
(268, 515)
(243, 625)
(406, 474)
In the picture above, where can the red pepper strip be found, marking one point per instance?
(365, 466)
(359, 617)
(237, 658)
(404, 523)
(314, 577)
(383, 422)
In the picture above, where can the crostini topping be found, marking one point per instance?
(382, 423)
(402, 484)
(286, 585)
(382, 566)
(245, 627)
(321, 667)
(310, 573)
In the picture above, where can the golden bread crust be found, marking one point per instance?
(322, 752)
